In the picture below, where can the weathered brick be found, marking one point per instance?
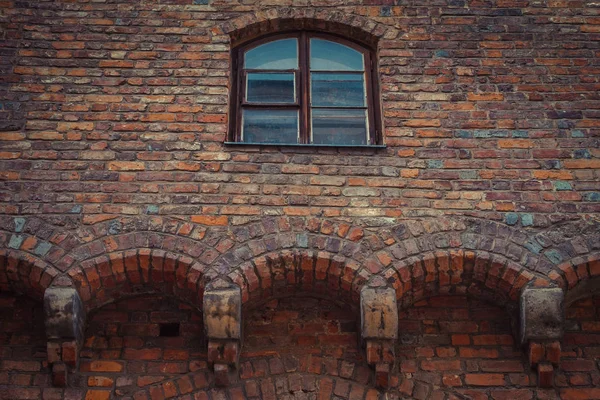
(112, 127)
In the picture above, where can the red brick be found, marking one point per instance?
(485, 379)
(97, 395)
(441, 365)
(101, 366)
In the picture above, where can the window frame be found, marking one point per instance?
(302, 77)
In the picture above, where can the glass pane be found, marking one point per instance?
(331, 56)
(280, 54)
(270, 126)
(271, 88)
(339, 126)
(337, 90)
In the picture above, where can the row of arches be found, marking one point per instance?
(559, 254)
(321, 270)
(107, 278)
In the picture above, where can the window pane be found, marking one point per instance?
(280, 54)
(331, 56)
(339, 127)
(271, 88)
(337, 90)
(270, 126)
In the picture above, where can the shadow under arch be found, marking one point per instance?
(491, 277)
(294, 272)
(114, 276)
(22, 273)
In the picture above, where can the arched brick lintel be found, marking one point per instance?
(110, 277)
(21, 272)
(303, 379)
(458, 271)
(300, 271)
(579, 277)
(136, 239)
(357, 27)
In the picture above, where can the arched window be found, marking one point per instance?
(304, 88)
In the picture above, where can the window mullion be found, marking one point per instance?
(304, 90)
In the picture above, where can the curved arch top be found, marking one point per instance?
(110, 277)
(21, 272)
(293, 271)
(579, 277)
(356, 27)
(456, 271)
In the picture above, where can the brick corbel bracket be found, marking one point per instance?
(222, 310)
(65, 320)
(541, 319)
(379, 330)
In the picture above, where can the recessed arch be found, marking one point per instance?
(459, 271)
(300, 271)
(113, 276)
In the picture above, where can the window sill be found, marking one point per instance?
(345, 146)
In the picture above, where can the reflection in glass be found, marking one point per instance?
(280, 54)
(343, 90)
(270, 126)
(339, 127)
(331, 56)
(270, 88)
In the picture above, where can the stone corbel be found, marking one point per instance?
(222, 309)
(65, 320)
(379, 330)
(542, 320)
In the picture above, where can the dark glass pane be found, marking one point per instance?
(279, 54)
(332, 56)
(270, 88)
(270, 126)
(339, 127)
(337, 90)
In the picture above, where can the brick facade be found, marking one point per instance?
(122, 210)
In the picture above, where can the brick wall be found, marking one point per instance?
(24, 370)
(120, 108)
(450, 347)
(462, 346)
(136, 343)
(581, 372)
(114, 180)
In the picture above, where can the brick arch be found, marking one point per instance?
(254, 239)
(267, 383)
(411, 238)
(579, 277)
(110, 277)
(176, 241)
(36, 237)
(21, 272)
(563, 242)
(357, 27)
(314, 380)
(111, 225)
(300, 271)
(457, 271)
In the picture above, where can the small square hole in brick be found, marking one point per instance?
(169, 330)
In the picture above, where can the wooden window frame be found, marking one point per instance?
(302, 78)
